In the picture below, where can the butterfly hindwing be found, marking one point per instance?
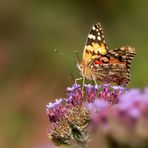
(115, 65)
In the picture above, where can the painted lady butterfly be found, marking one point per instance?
(99, 63)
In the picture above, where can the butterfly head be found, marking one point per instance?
(85, 70)
(80, 66)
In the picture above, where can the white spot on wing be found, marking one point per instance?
(99, 33)
(91, 36)
(99, 38)
(104, 42)
(93, 28)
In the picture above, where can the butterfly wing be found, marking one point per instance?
(114, 66)
(95, 44)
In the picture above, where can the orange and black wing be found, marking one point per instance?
(95, 44)
(114, 66)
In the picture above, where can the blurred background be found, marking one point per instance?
(32, 74)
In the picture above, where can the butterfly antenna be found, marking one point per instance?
(77, 55)
(63, 54)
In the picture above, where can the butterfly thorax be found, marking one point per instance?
(86, 71)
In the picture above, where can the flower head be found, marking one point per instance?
(73, 113)
(123, 121)
(105, 108)
(111, 93)
(134, 102)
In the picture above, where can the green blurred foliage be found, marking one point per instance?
(31, 73)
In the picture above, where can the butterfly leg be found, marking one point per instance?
(83, 78)
(77, 80)
(83, 84)
(94, 80)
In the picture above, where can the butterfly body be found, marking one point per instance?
(99, 63)
(86, 71)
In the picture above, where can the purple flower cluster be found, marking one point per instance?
(97, 96)
(114, 113)
(126, 120)
(74, 112)
(102, 97)
(112, 96)
(134, 103)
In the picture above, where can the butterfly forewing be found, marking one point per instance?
(95, 44)
(96, 35)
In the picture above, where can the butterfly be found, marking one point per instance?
(100, 63)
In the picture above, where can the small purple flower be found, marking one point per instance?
(106, 87)
(55, 110)
(75, 95)
(111, 93)
(91, 92)
(105, 93)
(57, 103)
(118, 90)
(73, 87)
(89, 86)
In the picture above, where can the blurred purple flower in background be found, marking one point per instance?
(101, 116)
